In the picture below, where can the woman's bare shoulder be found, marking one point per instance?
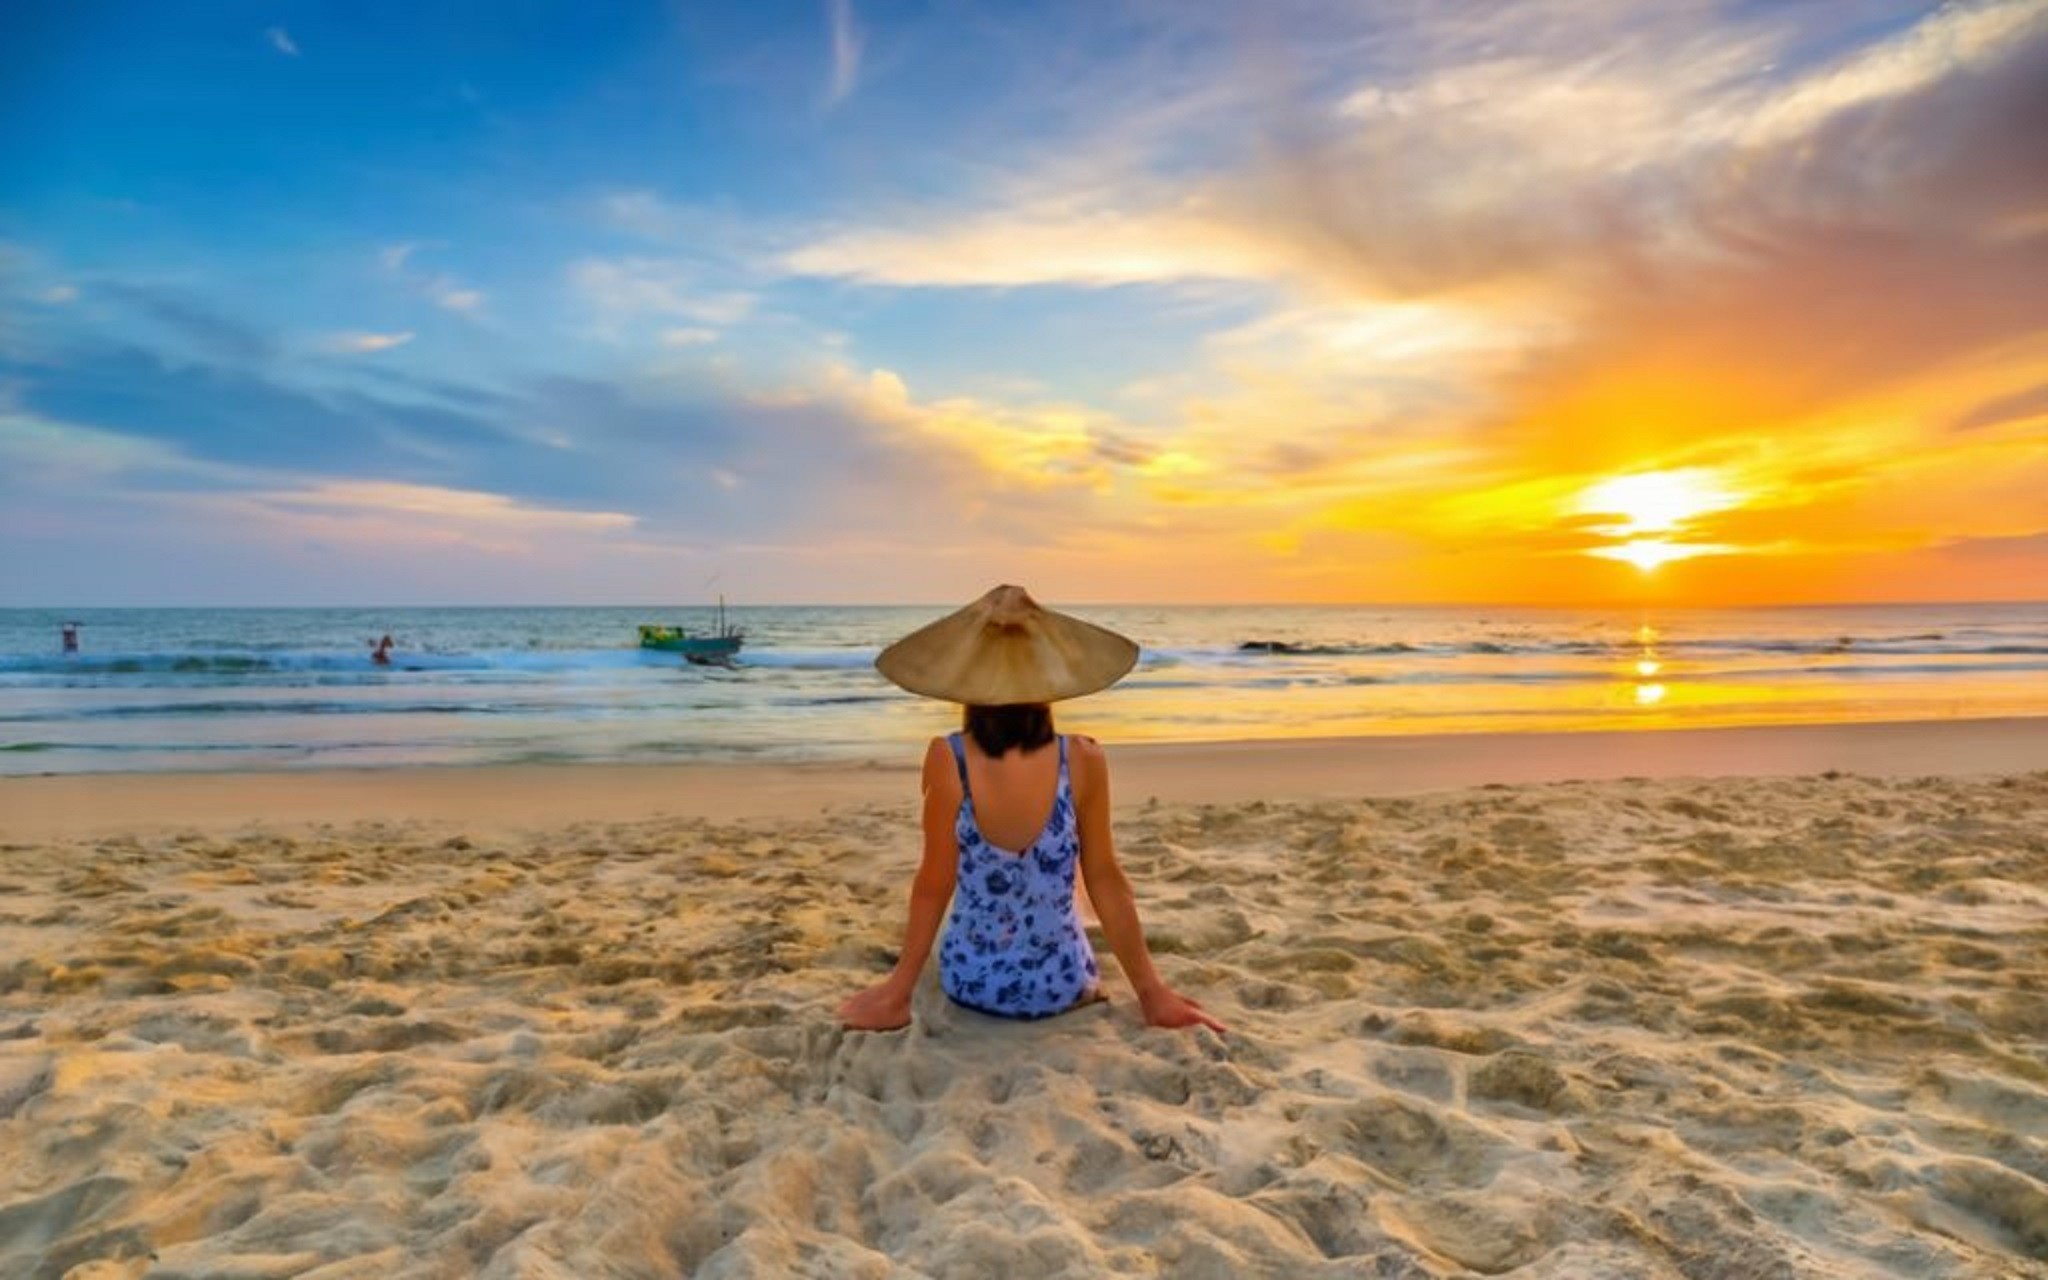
(1090, 764)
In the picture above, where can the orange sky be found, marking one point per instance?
(1566, 302)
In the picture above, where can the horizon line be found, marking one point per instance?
(1092, 604)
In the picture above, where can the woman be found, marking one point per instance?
(1011, 811)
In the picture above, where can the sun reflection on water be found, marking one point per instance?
(1647, 664)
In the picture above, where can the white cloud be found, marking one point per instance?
(623, 288)
(713, 235)
(45, 454)
(1415, 338)
(847, 44)
(1047, 448)
(388, 514)
(1951, 40)
(688, 337)
(641, 212)
(360, 343)
(281, 40)
(60, 293)
(383, 497)
(106, 470)
(442, 289)
(1049, 246)
(1501, 149)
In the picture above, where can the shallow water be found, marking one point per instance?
(160, 689)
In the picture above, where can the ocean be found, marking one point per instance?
(235, 689)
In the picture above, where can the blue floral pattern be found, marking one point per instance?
(1013, 944)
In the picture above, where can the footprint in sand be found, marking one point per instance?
(1411, 1143)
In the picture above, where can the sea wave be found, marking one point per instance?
(1877, 645)
(353, 665)
(211, 689)
(192, 663)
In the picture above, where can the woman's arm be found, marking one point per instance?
(886, 1005)
(1110, 890)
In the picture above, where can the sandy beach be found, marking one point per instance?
(1728, 1004)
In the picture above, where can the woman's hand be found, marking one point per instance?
(1165, 1007)
(882, 1007)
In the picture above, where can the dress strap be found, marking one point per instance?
(960, 760)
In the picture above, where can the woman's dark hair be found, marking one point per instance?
(1020, 724)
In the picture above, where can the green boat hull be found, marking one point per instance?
(697, 648)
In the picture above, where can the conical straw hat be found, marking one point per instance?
(1007, 648)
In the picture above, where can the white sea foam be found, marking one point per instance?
(198, 688)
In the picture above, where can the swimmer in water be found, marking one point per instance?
(381, 655)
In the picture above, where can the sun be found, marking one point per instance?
(1657, 501)
(1640, 510)
(1646, 553)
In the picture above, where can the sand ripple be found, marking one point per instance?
(1705, 1030)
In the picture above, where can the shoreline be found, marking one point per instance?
(502, 797)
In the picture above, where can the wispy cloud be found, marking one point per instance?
(626, 289)
(1516, 258)
(1481, 164)
(1054, 450)
(1052, 245)
(847, 44)
(152, 483)
(1341, 300)
(44, 455)
(353, 500)
(193, 322)
(440, 288)
(641, 212)
(281, 40)
(2016, 407)
(362, 343)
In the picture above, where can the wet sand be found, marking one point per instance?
(518, 796)
(1735, 1026)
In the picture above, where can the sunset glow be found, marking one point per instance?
(1648, 553)
(1541, 303)
(1656, 501)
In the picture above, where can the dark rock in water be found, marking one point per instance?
(1266, 646)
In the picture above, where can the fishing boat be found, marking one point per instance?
(713, 648)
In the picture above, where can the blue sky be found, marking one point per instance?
(311, 303)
